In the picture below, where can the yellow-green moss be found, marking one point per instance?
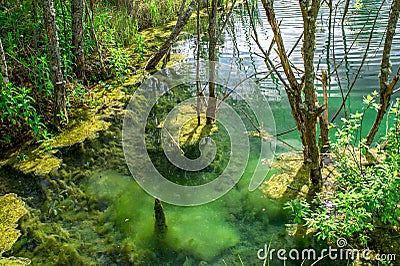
(11, 210)
(86, 130)
(42, 160)
(289, 166)
(190, 133)
(13, 261)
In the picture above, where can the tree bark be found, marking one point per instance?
(56, 75)
(4, 69)
(182, 21)
(386, 87)
(212, 58)
(77, 38)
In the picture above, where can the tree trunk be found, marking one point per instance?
(77, 38)
(323, 119)
(305, 112)
(160, 225)
(212, 58)
(182, 21)
(198, 82)
(56, 75)
(311, 112)
(4, 70)
(386, 88)
(93, 36)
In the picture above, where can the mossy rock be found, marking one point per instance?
(11, 210)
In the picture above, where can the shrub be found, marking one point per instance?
(366, 196)
(18, 115)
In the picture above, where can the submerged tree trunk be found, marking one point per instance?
(212, 57)
(182, 21)
(56, 75)
(77, 37)
(160, 226)
(386, 87)
(305, 112)
(4, 70)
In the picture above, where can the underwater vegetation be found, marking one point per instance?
(202, 231)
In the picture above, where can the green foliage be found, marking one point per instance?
(139, 46)
(119, 64)
(119, 23)
(78, 95)
(299, 209)
(24, 39)
(366, 195)
(17, 110)
(359, 4)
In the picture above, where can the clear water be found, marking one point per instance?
(232, 229)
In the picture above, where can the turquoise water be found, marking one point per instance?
(342, 48)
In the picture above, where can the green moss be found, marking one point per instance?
(13, 261)
(11, 210)
(78, 134)
(190, 133)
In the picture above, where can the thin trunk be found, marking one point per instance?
(94, 37)
(77, 38)
(311, 151)
(4, 70)
(64, 21)
(56, 75)
(323, 119)
(182, 21)
(386, 87)
(198, 83)
(212, 58)
(293, 89)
